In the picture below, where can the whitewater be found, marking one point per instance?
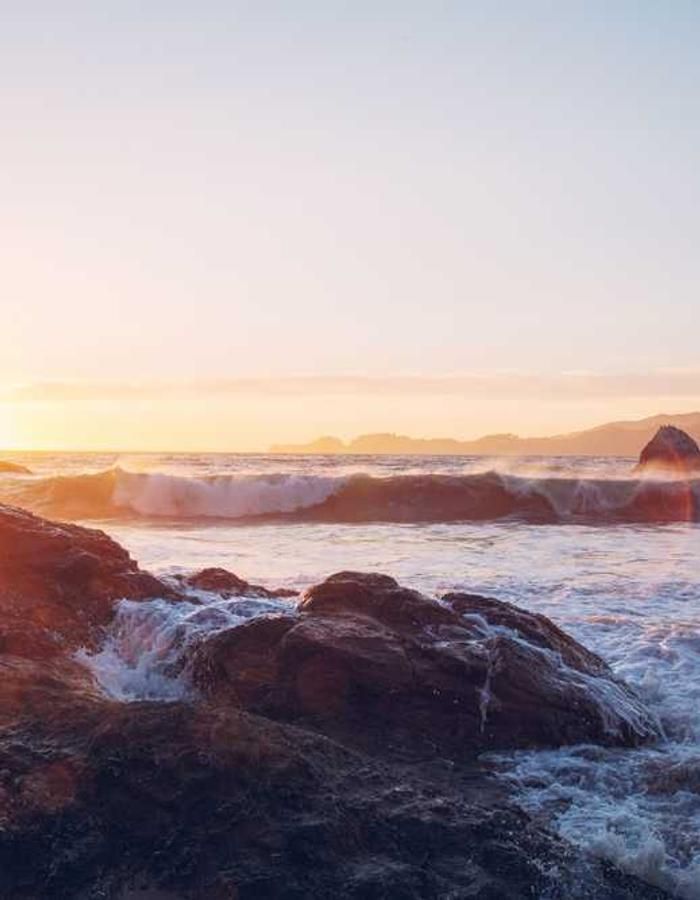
(352, 490)
(609, 557)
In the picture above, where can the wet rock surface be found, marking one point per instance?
(203, 803)
(58, 582)
(671, 449)
(226, 584)
(211, 799)
(388, 670)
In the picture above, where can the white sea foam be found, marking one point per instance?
(226, 496)
(638, 808)
(146, 644)
(607, 802)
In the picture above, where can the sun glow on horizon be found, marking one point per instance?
(251, 415)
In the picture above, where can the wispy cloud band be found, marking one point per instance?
(572, 385)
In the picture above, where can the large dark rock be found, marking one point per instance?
(670, 449)
(58, 582)
(207, 801)
(58, 588)
(186, 803)
(390, 671)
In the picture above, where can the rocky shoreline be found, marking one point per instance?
(328, 751)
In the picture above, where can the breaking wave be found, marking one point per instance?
(410, 498)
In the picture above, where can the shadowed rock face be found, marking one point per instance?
(58, 582)
(194, 803)
(226, 584)
(390, 671)
(206, 800)
(58, 586)
(670, 449)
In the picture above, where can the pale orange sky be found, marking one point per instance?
(226, 194)
(251, 414)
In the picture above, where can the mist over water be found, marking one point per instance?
(630, 592)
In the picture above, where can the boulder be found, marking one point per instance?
(58, 587)
(670, 449)
(58, 582)
(392, 672)
(225, 583)
(193, 803)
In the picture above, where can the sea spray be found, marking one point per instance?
(146, 644)
(354, 498)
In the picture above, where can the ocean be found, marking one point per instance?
(608, 556)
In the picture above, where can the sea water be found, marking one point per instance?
(630, 592)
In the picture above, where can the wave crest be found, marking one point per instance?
(484, 496)
(119, 493)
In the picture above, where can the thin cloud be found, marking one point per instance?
(570, 385)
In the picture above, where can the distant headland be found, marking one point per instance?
(611, 439)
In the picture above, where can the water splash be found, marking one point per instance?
(147, 643)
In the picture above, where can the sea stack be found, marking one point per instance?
(671, 450)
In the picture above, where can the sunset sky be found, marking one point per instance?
(228, 224)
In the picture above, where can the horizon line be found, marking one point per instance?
(270, 451)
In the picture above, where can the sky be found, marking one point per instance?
(228, 224)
